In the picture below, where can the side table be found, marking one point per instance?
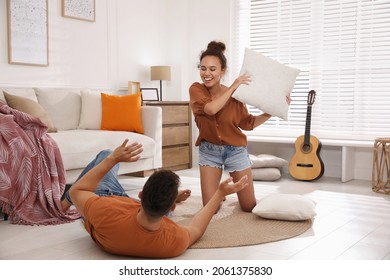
(176, 134)
(381, 166)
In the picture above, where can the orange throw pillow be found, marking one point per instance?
(122, 112)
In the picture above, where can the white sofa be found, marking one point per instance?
(72, 111)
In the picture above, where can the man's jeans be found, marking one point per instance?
(109, 184)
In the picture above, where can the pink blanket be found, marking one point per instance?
(32, 175)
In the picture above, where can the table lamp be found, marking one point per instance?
(161, 73)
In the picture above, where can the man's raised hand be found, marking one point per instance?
(127, 152)
(226, 187)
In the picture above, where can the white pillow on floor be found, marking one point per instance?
(291, 207)
(266, 174)
(271, 83)
(266, 160)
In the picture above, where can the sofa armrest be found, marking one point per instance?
(152, 124)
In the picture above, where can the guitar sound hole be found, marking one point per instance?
(306, 148)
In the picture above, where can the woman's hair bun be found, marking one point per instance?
(217, 49)
(216, 46)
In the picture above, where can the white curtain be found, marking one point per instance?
(342, 48)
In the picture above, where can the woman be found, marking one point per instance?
(220, 118)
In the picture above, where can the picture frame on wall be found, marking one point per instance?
(149, 94)
(133, 87)
(79, 9)
(27, 30)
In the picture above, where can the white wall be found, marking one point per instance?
(79, 52)
(127, 37)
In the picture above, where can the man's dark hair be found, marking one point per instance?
(160, 193)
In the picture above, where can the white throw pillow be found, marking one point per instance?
(266, 174)
(265, 160)
(291, 207)
(271, 83)
(91, 110)
(62, 104)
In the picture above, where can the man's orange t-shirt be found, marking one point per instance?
(111, 222)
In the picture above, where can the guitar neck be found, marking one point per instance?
(308, 124)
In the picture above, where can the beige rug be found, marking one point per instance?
(231, 227)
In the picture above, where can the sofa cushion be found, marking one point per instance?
(30, 107)
(122, 113)
(78, 147)
(62, 105)
(23, 92)
(91, 110)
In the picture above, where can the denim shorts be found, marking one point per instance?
(230, 158)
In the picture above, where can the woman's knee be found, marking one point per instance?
(248, 207)
(246, 197)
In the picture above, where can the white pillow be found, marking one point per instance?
(62, 104)
(271, 83)
(265, 160)
(266, 174)
(291, 207)
(91, 110)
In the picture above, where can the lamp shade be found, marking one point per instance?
(160, 73)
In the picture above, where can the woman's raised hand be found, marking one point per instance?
(242, 79)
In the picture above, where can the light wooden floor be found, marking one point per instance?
(352, 223)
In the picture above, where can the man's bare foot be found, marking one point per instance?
(183, 195)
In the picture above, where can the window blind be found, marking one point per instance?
(343, 51)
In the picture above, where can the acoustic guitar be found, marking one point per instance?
(306, 164)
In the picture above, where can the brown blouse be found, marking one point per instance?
(223, 128)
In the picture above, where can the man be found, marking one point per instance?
(125, 226)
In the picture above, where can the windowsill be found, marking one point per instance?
(326, 142)
(326, 138)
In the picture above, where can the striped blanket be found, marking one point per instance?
(32, 175)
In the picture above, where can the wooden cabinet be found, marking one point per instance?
(176, 134)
